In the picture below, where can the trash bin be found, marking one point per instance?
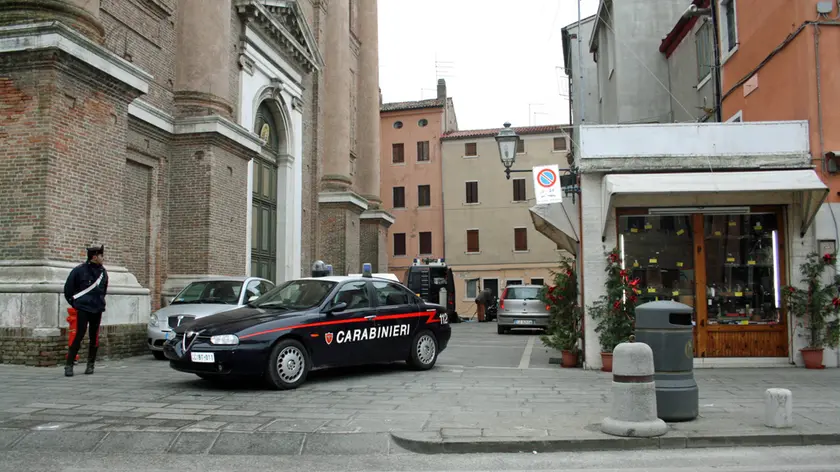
(666, 327)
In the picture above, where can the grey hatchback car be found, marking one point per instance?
(520, 307)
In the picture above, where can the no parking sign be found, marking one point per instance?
(547, 184)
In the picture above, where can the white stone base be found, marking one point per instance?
(634, 429)
(32, 296)
(778, 408)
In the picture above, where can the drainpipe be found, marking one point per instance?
(717, 67)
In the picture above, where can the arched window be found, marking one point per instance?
(266, 127)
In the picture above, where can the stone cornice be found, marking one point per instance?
(380, 216)
(55, 35)
(343, 198)
(152, 115)
(283, 21)
(217, 124)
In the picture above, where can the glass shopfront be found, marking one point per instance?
(729, 267)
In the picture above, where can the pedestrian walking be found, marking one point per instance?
(482, 301)
(85, 291)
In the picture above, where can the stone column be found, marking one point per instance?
(336, 105)
(81, 15)
(368, 167)
(374, 222)
(202, 68)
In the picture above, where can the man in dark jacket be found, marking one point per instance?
(85, 291)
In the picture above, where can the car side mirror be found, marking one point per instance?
(253, 297)
(338, 307)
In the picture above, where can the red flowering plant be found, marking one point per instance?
(561, 299)
(615, 312)
(817, 304)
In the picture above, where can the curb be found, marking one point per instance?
(434, 443)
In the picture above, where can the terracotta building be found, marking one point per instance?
(411, 170)
(189, 137)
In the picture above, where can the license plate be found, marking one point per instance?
(205, 357)
(523, 322)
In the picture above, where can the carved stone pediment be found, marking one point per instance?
(284, 23)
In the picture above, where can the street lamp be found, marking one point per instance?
(508, 141)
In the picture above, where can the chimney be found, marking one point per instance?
(441, 89)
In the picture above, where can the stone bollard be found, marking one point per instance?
(778, 408)
(634, 394)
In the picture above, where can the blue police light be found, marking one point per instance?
(329, 269)
(367, 269)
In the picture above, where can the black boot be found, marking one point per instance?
(91, 359)
(68, 370)
(89, 369)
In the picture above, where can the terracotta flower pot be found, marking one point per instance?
(569, 359)
(813, 357)
(606, 360)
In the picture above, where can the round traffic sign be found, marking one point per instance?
(546, 178)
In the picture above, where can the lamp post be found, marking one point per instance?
(508, 141)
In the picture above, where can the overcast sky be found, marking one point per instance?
(497, 56)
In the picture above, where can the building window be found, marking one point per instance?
(470, 150)
(398, 153)
(472, 192)
(425, 243)
(472, 241)
(399, 244)
(520, 146)
(703, 42)
(472, 289)
(537, 281)
(424, 195)
(264, 201)
(399, 197)
(729, 25)
(510, 282)
(519, 190)
(520, 239)
(560, 144)
(423, 123)
(398, 124)
(422, 151)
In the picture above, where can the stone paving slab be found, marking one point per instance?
(482, 394)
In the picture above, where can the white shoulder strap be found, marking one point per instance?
(85, 291)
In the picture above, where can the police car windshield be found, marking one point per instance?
(296, 295)
(216, 291)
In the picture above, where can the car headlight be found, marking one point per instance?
(153, 320)
(225, 340)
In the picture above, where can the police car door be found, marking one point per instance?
(397, 319)
(345, 332)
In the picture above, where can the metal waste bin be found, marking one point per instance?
(666, 327)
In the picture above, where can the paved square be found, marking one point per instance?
(484, 386)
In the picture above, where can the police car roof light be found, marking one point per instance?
(367, 270)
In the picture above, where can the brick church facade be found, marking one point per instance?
(191, 138)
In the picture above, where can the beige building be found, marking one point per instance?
(489, 234)
(411, 176)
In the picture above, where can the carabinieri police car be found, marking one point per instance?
(310, 323)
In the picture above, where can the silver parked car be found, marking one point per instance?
(202, 298)
(520, 307)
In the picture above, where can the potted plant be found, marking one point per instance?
(816, 306)
(561, 299)
(615, 312)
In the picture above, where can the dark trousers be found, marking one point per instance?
(83, 320)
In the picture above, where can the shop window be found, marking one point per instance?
(658, 250)
(472, 289)
(742, 280)
(539, 281)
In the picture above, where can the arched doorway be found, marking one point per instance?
(264, 196)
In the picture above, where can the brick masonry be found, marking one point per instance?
(19, 346)
(340, 238)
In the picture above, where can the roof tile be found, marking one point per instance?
(485, 133)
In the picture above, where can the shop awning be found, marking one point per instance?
(559, 223)
(798, 187)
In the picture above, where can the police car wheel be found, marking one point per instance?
(288, 365)
(424, 351)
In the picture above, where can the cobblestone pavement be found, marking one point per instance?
(486, 388)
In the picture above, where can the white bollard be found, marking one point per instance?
(634, 394)
(778, 408)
